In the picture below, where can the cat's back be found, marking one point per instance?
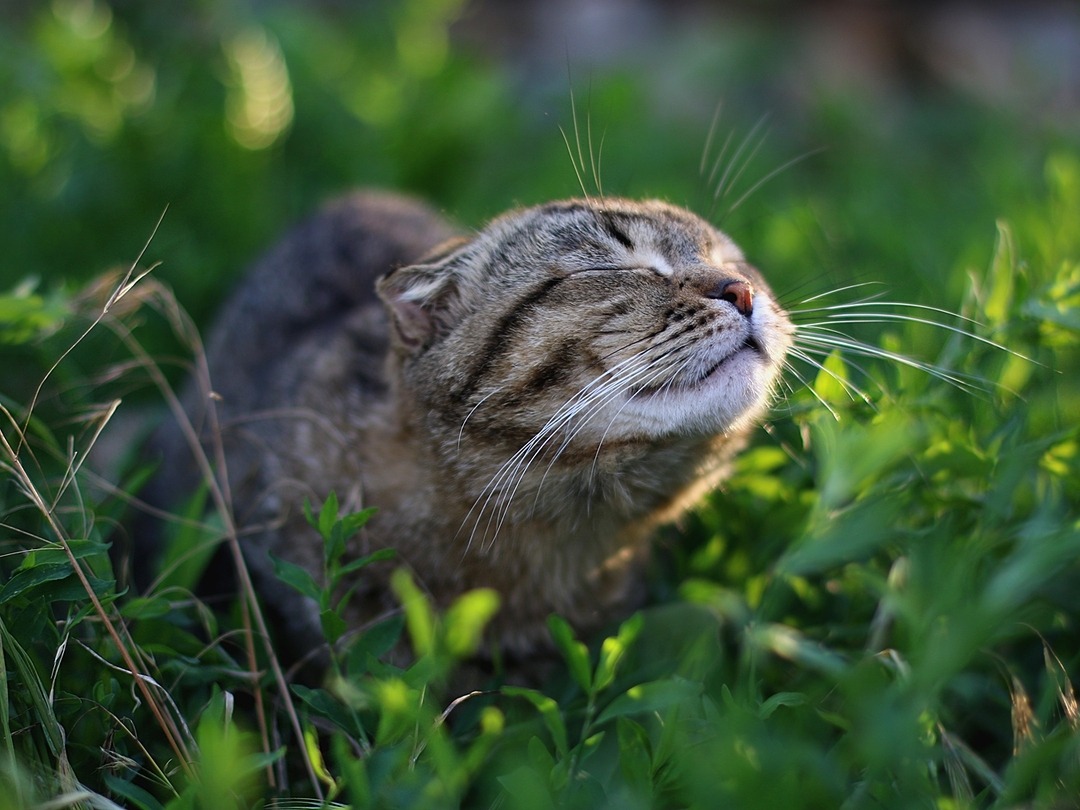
(303, 333)
(317, 285)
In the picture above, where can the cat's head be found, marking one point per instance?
(588, 320)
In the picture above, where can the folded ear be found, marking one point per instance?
(422, 298)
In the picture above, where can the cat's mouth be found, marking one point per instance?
(750, 344)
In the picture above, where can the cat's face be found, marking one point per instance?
(586, 322)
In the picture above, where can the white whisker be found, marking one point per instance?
(643, 377)
(867, 350)
(573, 162)
(852, 390)
(725, 185)
(875, 301)
(473, 410)
(514, 468)
(879, 317)
(769, 176)
(709, 139)
(672, 376)
(809, 348)
(597, 402)
(807, 385)
(834, 291)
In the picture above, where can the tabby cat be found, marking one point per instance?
(523, 405)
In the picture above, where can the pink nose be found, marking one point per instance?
(736, 291)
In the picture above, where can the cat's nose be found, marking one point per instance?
(735, 291)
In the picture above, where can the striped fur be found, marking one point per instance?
(524, 405)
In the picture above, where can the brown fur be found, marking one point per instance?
(415, 392)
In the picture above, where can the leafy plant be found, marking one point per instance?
(877, 610)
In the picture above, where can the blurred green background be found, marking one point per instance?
(911, 132)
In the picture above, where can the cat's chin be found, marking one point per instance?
(726, 397)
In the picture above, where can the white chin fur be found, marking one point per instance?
(737, 392)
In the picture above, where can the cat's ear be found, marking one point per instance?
(421, 298)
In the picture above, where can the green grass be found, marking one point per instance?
(878, 610)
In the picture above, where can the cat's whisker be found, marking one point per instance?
(770, 175)
(473, 410)
(826, 332)
(717, 186)
(729, 179)
(711, 180)
(594, 157)
(625, 347)
(835, 291)
(855, 312)
(508, 471)
(875, 301)
(852, 390)
(809, 350)
(573, 162)
(713, 124)
(880, 317)
(666, 386)
(868, 350)
(577, 135)
(585, 407)
(794, 372)
(639, 377)
(596, 402)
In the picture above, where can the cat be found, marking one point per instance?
(523, 405)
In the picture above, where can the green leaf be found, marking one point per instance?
(829, 384)
(333, 626)
(527, 789)
(549, 712)
(843, 536)
(379, 556)
(780, 699)
(575, 653)
(146, 607)
(327, 706)
(19, 662)
(1001, 279)
(27, 578)
(26, 315)
(375, 643)
(635, 757)
(400, 709)
(465, 620)
(788, 643)
(855, 456)
(328, 514)
(539, 756)
(135, 795)
(419, 615)
(651, 697)
(191, 543)
(56, 553)
(613, 649)
(227, 767)
(318, 699)
(296, 577)
(352, 523)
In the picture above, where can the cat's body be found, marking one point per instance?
(522, 406)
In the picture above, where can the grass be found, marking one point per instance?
(878, 610)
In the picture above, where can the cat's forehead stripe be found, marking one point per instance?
(647, 234)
